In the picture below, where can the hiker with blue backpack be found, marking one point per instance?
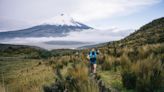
(92, 57)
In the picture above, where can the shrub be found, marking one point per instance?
(144, 52)
(125, 62)
(143, 75)
(78, 72)
(149, 74)
(45, 54)
(128, 76)
(108, 63)
(129, 79)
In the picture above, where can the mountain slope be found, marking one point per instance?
(57, 27)
(150, 33)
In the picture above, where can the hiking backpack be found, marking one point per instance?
(92, 54)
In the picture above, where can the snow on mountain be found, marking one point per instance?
(63, 20)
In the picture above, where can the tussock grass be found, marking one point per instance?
(108, 62)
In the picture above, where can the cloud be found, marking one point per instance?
(82, 10)
(88, 37)
(97, 36)
(92, 36)
(99, 9)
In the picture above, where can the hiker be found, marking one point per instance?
(92, 57)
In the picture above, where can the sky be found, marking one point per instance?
(99, 14)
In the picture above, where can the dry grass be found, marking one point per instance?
(32, 79)
(29, 78)
(79, 73)
(149, 74)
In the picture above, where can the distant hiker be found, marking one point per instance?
(92, 57)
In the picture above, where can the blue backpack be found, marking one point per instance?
(92, 54)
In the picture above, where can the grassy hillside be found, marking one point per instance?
(9, 50)
(150, 33)
(139, 58)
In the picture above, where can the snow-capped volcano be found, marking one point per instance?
(62, 20)
(56, 27)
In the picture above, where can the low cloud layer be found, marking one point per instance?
(91, 36)
(83, 38)
(96, 36)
